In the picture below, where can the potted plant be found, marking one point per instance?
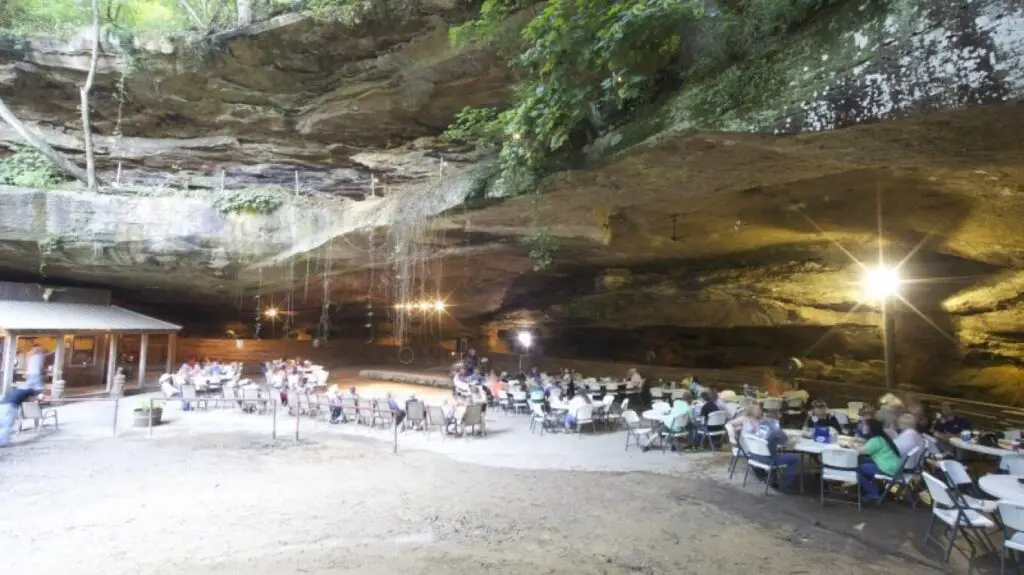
(146, 412)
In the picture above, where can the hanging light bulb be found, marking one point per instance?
(439, 305)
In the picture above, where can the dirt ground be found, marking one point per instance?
(237, 503)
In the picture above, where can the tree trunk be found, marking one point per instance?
(41, 146)
(90, 161)
(244, 11)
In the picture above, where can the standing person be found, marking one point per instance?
(11, 402)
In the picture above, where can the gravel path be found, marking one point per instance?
(236, 503)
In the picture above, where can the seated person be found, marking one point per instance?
(885, 457)
(909, 438)
(677, 420)
(770, 431)
(748, 421)
(574, 404)
(710, 406)
(949, 425)
(399, 413)
(867, 412)
(820, 417)
(167, 386)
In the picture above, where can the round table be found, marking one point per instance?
(1004, 487)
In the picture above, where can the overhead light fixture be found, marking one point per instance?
(882, 282)
(525, 339)
(271, 312)
(439, 305)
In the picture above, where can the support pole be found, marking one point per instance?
(293, 400)
(172, 344)
(116, 405)
(150, 422)
(143, 352)
(10, 356)
(888, 343)
(273, 433)
(58, 360)
(112, 361)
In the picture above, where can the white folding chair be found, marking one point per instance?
(661, 406)
(737, 450)
(714, 419)
(585, 416)
(839, 466)
(773, 404)
(957, 519)
(538, 418)
(757, 448)
(855, 406)
(842, 419)
(960, 481)
(635, 433)
(900, 483)
(1013, 532)
(1014, 465)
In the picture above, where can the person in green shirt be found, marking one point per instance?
(885, 457)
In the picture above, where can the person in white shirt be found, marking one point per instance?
(580, 400)
(34, 369)
(909, 438)
(633, 379)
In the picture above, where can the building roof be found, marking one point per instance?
(38, 317)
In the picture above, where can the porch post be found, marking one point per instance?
(58, 359)
(112, 361)
(10, 355)
(172, 344)
(143, 349)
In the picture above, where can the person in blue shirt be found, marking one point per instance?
(770, 430)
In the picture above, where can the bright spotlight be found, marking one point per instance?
(525, 339)
(271, 312)
(881, 282)
(439, 305)
(424, 306)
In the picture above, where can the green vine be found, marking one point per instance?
(542, 247)
(253, 202)
(29, 169)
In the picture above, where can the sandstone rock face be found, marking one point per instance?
(715, 231)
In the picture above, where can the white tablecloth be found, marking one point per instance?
(1003, 486)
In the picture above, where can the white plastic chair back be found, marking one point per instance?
(321, 377)
(717, 418)
(31, 410)
(1012, 514)
(795, 403)
(756, 446)
(732, 409)
(730, 432)
(955, 472)
(1014, 465)
(1011, 435)
(293, 381)
(537, 409)
(188, 392)
(938, 491)
(584, 414)
(841, 417)
(913, 460)
(608, 400)
(657, 392)
(625, 402)
(518, 396)
(855, 406)
(661, 406)
(773, 404)
(631, 418)
(844, 459)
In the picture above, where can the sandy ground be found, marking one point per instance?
(212, 493)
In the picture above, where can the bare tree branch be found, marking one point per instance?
(90, 160)
(41, 146)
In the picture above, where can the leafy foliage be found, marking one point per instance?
(481, 126)
(258, 202)
(584, 66)
(542, 246)
(29, 169)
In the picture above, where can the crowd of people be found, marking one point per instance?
(884, 436)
